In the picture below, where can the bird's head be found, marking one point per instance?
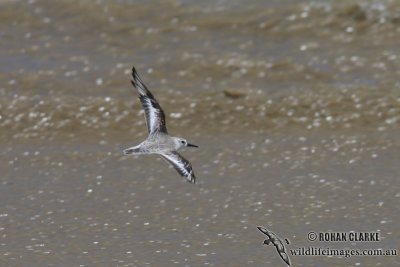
(180, 142)
(267, 241)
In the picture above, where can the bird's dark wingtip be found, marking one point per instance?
(134, 72)
(191, 178)
(262, 229)
(138, 84)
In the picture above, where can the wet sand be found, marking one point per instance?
(295, 106)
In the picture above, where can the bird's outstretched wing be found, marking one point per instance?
(155, 117)
(265, 231)
(285, 257)
(180, 164)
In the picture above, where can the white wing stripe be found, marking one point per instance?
(155, 117)
(182, 165)
(151, 115)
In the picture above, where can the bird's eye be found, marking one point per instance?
(182, 142)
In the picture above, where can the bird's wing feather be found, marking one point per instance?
(266, 232)
(285, 257)
(155, 117)
(180, 164)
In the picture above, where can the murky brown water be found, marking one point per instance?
(295, 106)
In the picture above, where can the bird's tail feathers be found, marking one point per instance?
(132, 150)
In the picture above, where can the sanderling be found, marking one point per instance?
(273, 239)
(158, 140)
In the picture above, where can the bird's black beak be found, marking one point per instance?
(191, 145)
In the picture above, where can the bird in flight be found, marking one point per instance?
(273, 239)
(158, 141)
